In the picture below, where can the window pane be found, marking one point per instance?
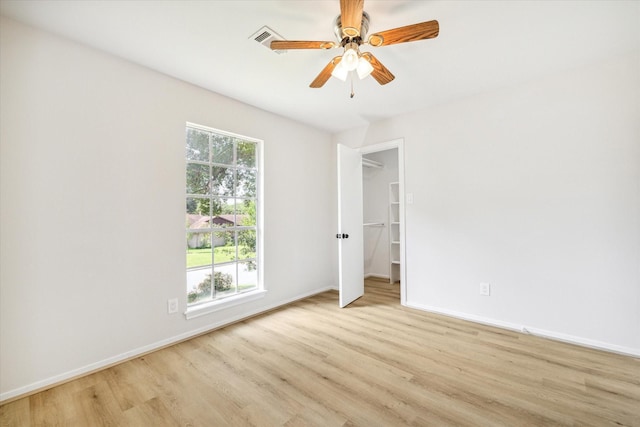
(197, 206)
(245, 212)
(197, 145)
(224, 247)
(222, 213)
(247, 276)
(199, 287)
(197, 179)
(198, 249)
(246, 244)
(222, 149)
(225, 280)
(223, 221)
(246, 154)
(246, 183)
(222, 181)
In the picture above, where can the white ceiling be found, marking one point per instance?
(483, 45)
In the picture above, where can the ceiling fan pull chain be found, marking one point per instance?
(351, 78)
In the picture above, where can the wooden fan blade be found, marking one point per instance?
(288, 44)
(380, 72)
(351, 17)
(410, 33)
(325, 74)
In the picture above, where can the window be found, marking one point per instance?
(222, 215)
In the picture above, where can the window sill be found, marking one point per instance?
(213, 306)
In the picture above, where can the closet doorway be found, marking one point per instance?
(383, 214)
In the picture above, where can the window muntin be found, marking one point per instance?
(222, 182)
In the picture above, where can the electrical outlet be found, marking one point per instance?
(172, 306)
(485, 289)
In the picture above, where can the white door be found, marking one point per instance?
(350, 243)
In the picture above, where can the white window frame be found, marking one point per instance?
(203, 308)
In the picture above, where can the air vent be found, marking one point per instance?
(262, 37)
(265, 36)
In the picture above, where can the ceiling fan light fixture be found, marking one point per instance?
(350, 56)
(340, 72)
(364, 68)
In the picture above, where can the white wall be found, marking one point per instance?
(535, 189)
(92, 207)
(375, 190)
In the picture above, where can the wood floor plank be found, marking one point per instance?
(374, 363)
(153, 412)
(16, 413)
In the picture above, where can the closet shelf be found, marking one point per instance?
(371, 163)
(373, 224)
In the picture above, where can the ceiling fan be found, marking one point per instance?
(351, 28)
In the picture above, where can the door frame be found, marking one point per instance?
(384, 146)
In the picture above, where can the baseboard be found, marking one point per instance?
(584, 342)
(557, 336)
(376, 276)
(140, 351)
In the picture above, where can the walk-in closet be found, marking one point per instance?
(381, 213)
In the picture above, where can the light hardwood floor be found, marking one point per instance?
(374, 363)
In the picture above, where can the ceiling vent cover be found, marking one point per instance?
(265, 36)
